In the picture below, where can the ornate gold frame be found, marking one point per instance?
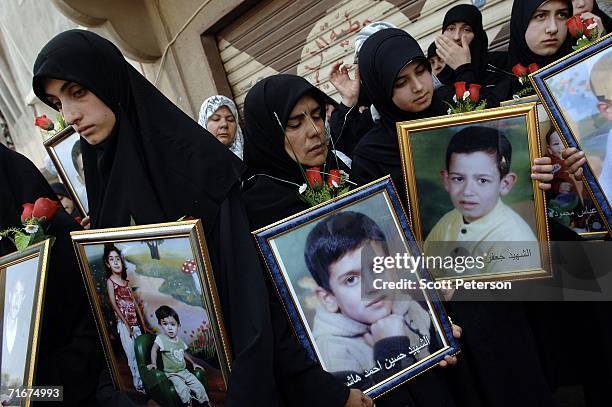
(192, 230)
(526, 110)
(41, 251)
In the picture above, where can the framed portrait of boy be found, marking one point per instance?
(470, 192)
(577, 93)
(64, 149)
(374, 327)
(22, 284)
(569, 201)
(157, 310)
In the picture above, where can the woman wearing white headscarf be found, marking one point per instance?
(219, 116)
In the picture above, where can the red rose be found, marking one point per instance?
(27, 211)
(459, 89)
(574, 25)
(313, 176)
(532, 68)
(44, 122)
(45, 207)
(334, 175)
(474, 92)
(519, 70)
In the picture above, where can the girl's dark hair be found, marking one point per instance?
(108, 248)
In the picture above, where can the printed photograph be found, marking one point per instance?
(65, 152)
(21, 285)
(471, 193)
(362, 335)
(155, 319)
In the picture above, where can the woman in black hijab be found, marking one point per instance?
(538, 34)
(146, 161)
(380, 63)
(463, 46)
(68, 355)
(274, 190)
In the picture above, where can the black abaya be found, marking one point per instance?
(157, 166)
(68, 353)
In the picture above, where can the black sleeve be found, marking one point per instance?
(348, 125)
(302, 381)
(364, 170)
(465, 73)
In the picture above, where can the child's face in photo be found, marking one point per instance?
(413, 88)
(565, 188)
(345, 279)
(547, 31)
(169, 326)
(555, 145)
(113, 261)
(474, 185)
(79, 168)
(66, 203)
(605, 108)
(16, 298)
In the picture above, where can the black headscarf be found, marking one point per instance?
(605, 18)
(446, 75)
(69, 353)
(155, 153)
(381, 58)
(266, 112)
(472, 16)
(518, 50)
(269, 199)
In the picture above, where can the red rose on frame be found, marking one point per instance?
(575, 26)
(519, 70)
(27, 211)
(459, 89)
(474, 92)
(313, 176)
(44, 122)
(333, 178)
(45, 207)
(532, 68)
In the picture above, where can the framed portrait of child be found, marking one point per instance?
(577, 93)
(368, 322)
(569, 201)
(157, 311)
(64, 149)
(22, 284)
(470, 192)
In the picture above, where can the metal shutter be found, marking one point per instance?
(306, 37)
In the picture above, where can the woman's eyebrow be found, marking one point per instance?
(63, 88)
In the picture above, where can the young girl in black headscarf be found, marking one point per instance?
(146, 162)
(69, 353)
(538, 35)
(463, 46)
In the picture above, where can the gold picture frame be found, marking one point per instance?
(64, 149)
(28, 269)
(150, 253)
(423, 148)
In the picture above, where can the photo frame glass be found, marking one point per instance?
(65, 152)
(576, 92)
(150, 291)
(470, 192)
(321, 264)
(22, 280)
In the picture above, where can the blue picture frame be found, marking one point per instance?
(269, 248)
(563, 122)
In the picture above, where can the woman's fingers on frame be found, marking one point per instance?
(541, 176)
(542, 169)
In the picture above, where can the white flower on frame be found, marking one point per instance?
(592, 26)
(335, 183)
(31, 229)
(466, 95)
(455, 98)
(303, 188)
(449, 111)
